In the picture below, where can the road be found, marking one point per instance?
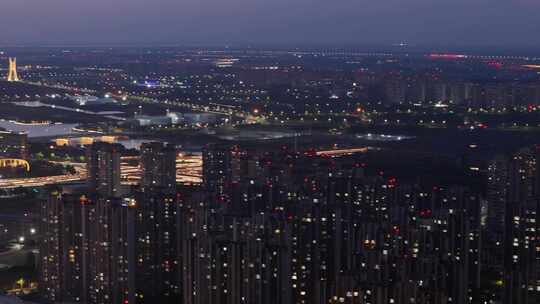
(188, 168)
(211, 108)
(77, 110)
(340, 152)
(39, 181)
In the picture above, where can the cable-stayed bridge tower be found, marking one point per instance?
(12, 74)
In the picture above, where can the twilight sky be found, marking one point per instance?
(217, 22)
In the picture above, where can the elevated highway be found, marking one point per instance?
(14, 163)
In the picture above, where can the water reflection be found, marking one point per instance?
(38, 130)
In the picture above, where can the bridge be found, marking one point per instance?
(21, 287)
(342, 152)
(13, 163)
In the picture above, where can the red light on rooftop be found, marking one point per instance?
(425, 212)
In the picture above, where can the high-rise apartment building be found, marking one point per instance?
(88, 248)
(103, 167)
(280, 226)
(158, 162)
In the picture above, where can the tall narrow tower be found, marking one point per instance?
(12, 75)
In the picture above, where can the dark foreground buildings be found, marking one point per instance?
(13, 145)
(279, 226)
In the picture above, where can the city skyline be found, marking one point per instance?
(270, 152)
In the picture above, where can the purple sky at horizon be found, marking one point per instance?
(214, 22)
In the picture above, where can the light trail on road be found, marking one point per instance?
(188, 168)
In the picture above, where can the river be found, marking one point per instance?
(38, 130)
